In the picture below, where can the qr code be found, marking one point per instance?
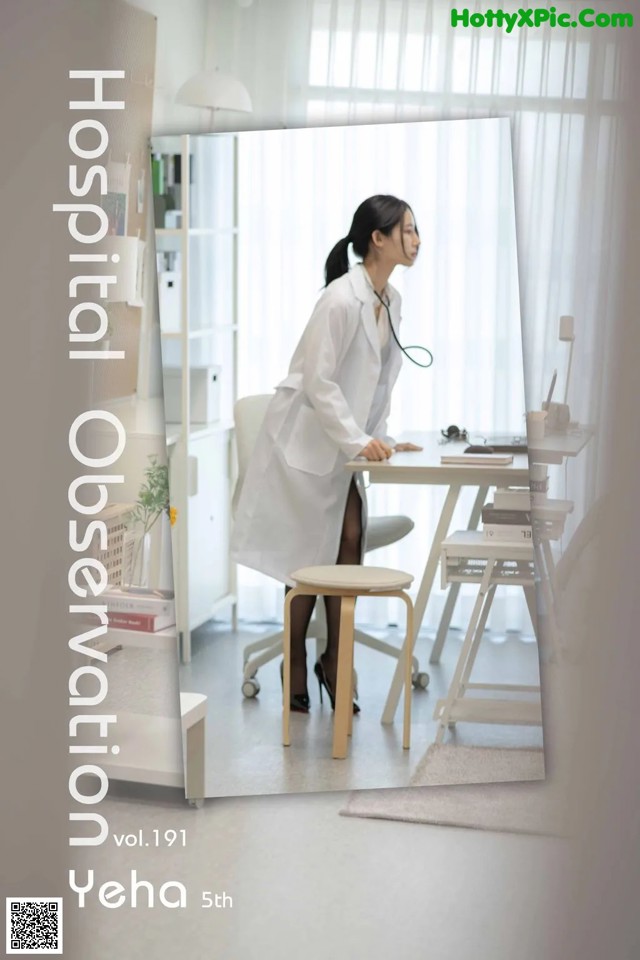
(34, 925)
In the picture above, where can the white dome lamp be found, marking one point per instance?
(215, 90)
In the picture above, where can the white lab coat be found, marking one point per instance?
(334, 400)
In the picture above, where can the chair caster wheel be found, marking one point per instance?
(420, 681)
(250, 688)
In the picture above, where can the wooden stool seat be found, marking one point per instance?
(347, 581)
(353, 578)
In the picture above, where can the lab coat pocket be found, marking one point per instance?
(308, 447)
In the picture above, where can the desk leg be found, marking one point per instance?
(475, 646)
(530, 597)
(426, 585)
(550, 645)
(550, 609)
(485, 595)
(194, 774)
(550, 569)
(454, 588)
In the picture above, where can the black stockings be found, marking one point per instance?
(302, 607)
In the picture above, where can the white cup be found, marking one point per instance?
(535, 424)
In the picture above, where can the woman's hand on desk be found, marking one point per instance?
(407, 447)
(376, 450)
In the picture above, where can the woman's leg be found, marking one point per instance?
(349, 552)
(301, 610)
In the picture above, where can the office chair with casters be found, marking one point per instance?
(249, 413)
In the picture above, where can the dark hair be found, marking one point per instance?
(382, 213)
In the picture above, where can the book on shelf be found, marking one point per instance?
(143, 622)
(512, 498)
(493, 514)
(522, 498)
(513, 532)
(140, 600)
(478, 459)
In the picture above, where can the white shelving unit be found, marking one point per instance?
(466, 557)
(163, 751)
(203, 332)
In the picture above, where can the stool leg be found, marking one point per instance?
(286, 673)
(344, 685)
(353, 653)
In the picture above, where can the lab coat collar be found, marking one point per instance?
(363, 290)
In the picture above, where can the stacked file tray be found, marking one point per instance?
(549, 519)
(464, 557)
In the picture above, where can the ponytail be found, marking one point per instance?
(338, 261)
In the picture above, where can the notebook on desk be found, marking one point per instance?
(478, 459)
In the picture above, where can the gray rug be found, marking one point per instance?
(445, 764)
(481, 798)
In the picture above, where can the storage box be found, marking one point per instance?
(115, 517)
(173, 219)
(169, 287)
(204, 394)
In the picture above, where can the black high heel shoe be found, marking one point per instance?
(321, 677)
(298, 702)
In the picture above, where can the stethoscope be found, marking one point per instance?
(425, 366)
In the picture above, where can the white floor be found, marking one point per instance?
(244, 749)
(244, 752)
(307, 882)
(303, 880)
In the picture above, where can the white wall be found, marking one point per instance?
(263, 44)
(180, 52)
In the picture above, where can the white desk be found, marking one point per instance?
(554, 447)
(421, 468)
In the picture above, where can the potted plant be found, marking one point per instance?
(152, 502)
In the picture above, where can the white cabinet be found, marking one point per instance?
(209, 577)
(196, 244)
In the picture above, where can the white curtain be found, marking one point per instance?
(357, 61)
(297, 191)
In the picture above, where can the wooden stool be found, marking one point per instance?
(347, 581)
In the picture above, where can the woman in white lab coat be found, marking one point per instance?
(298, 506)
